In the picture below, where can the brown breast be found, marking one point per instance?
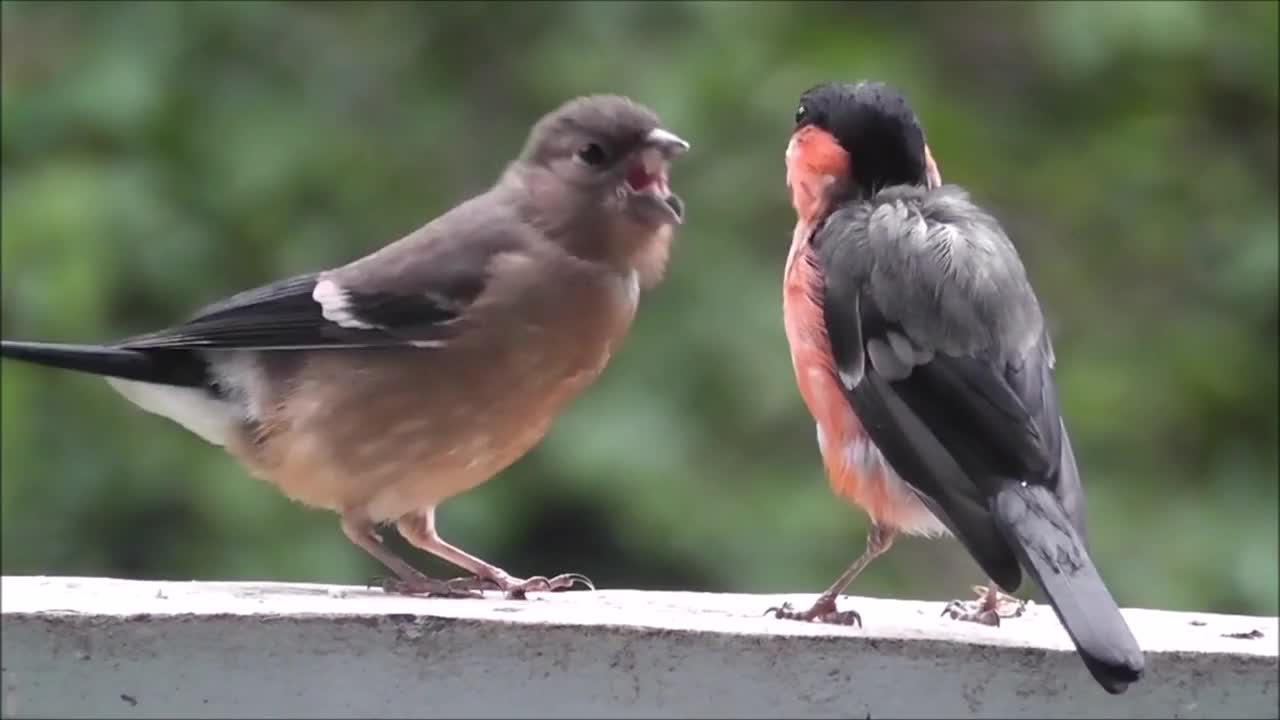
(395, 431)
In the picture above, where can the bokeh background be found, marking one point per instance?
(159, 156)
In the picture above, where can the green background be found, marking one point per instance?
(159, 156)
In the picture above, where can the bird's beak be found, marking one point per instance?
(668, 142)
(647, 174)
(933, 179)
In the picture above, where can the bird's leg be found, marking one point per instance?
(879, 539)
(988, 609)
(420, 530)
(408, 579)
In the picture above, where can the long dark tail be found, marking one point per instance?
(1051, 549)
(165, 367)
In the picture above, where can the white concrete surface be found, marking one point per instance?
(82, 647)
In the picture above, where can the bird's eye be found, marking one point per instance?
(801, 113)
(592, 154)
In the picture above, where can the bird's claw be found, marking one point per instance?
(516, 589)
(566, 581)
(823, 611)
(988, 609)
(961, 611)
(474, 586)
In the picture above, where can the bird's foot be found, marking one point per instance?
(823, 611)
(515, 588)
(461, 587)
(990, 607)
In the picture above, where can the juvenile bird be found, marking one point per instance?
(383, 387)
(920, 350)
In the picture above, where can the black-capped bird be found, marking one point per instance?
(921, 352)
(381, 388)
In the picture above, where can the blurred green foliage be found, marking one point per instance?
(157, 156)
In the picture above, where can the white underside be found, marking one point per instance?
(918, 520)
(192, 408)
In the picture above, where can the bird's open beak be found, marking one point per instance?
(933, 179)
(647, 173)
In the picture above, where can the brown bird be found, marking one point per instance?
(381, 388)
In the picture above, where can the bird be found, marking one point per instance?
(382, 387)
(921, 351)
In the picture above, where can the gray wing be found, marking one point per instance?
(409, 294)
(943, 355)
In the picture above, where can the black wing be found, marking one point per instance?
(285, 316)
(411, 294)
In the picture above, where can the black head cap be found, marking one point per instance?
(875, 125)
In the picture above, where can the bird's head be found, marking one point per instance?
(599, 164)
(854, 139)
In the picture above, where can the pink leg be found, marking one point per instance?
(879, 540)
(420, 530)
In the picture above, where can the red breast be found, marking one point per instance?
(815, 162)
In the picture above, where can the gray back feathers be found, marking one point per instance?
(939, 266)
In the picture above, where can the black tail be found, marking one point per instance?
(166, 367)
(1052, 551)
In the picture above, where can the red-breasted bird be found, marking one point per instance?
(921, 352)
(381, 388)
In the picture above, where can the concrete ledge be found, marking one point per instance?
(81, 647)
